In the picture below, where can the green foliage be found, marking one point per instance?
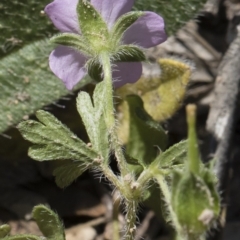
(175, 12)
(68, 172)
(25, 80)
(176, 154)
(22, 23)
(92, 115)
(162, 93)
(4, 230)
(27, 84)
(49, 223)
(194, 197)
(140, 146)
(53, 140)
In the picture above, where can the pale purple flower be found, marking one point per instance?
(69, 64)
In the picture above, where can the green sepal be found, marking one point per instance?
(140, 146)
(4, 230)
(129, 53)
(92, 115)
(211, 180)
(92, 26)
(74, 41)
(53, 140)
(68, 172)
(49, 223)
(176, 154)
(94, 69)
(122, 24)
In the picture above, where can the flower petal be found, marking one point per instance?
(68, 65)
(111, 10)
(148, 31)
(63, 14)
(126, 72)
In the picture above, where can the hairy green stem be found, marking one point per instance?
(131, 218)
(193, 163)
(167, 196)
(109, 114)
(109, 109)
(112, 178)
(119, 154)
(116, 204)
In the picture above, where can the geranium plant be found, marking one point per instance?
(106, 40)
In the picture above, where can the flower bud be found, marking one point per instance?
(194, 203)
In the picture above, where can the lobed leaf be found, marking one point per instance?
(93, 118)
(54, 140)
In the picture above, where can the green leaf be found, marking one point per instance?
(67, 173)
(73, 40)
(174, 12)
(176, 154)
(27, 84)
(122, 24)
(140, 146)
(54, 140)
(4, 230)
(49, 223)
(22, 23)
(93, 119)
(134, 165)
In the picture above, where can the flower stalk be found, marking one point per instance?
(109, 113)
(193, 163)
(109, 109)
(131, 219)
(167, 197)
